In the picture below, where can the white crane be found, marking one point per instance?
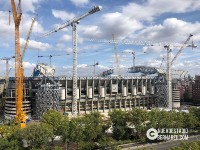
(50, 58)
(94, 65)
(7, 59)
(169, 67)
(73, 22)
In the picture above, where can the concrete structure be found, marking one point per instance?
(93, 94)
(105, 94)
(175, 98)
(10, 107)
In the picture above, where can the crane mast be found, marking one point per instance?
(116, 57)
(20, 115)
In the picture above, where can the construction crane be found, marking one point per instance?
(185, 44)
(94, 65)
(169, 67)
(133, 53)
(28, 38)
(20, 115)
(73, 22)
(50, 57)
(7, 59)
(116, 57)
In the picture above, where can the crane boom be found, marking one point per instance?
(182, 47)
(50, 56)
(74, 20)
(20, 115)
(28, 38)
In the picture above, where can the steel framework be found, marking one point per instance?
(47, 96)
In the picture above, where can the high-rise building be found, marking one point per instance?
(196, 89)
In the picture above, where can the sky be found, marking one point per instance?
(129, 20)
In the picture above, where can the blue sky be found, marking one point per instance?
(136, 20)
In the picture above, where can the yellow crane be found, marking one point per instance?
(20, 115)
(116, 56)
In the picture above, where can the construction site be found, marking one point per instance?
(30, 97)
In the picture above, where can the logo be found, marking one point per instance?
(167, 134)
(152, 134)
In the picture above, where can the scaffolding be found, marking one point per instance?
(47, 96)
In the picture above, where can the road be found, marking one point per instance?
(162, 145)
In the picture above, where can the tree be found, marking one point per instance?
(139, 118)
(75, 132)
(37, 135)
(5, 131)
(6, 144)
(64, 130)
(164, 119)
(196, 113)
(189, 120)
(106, 143)
(53, 119)
(92, 126)
(176, 119)
(119, 123)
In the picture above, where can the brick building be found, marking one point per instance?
(196, 89)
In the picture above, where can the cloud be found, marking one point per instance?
(28, 65)
(152, 49)
(127, 51)
(122, 26)
(118, 24)
(172, 30)
(27, 6)
(66, 38)
(4, 45)
(63, 15)
(80, 3)
(152, 8)
(84, 70)
(36, 45)
(7, 31)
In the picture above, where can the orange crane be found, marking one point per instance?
(20, 115)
